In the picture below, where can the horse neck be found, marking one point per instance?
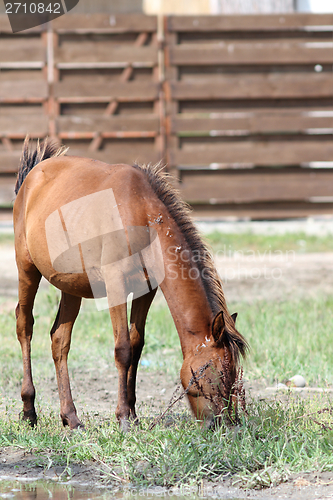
(185, 294)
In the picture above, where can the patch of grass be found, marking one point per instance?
(271, 442)
(289, 338)
(228, 243)
(286, 338)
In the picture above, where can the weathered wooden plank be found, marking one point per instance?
(7, 194)
(15, 111)
(265, 52)
(68, 91)
(22, 65)
(99, 136)
(256, 86)
(273, 210)
(17, 126)
(22, 49)
(265, 152)
(244, 186)
(261, 22)
(254, 121)
(9, 161)
(116, 123)
(23, 90)
(114, 23)
(129, 152)
(85, 51)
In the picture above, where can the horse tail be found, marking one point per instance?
(30, 158)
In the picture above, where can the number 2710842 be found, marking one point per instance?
(33, 8)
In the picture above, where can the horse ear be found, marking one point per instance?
(218, 326)
(234, 317)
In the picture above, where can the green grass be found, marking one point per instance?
(272, 441)
(228, 243)
(6, 239)
(287, 338)
(249, 241)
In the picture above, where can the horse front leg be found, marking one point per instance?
(29, 279)
(122, 355)
(61, 340)
(139, 311)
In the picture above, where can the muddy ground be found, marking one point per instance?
(246, 277)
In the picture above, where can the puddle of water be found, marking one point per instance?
(49, 490)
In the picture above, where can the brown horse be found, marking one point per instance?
(93, 230)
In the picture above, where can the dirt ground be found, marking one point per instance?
(246, 277)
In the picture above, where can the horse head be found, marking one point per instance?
(209, 372)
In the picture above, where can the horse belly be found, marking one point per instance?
(75, 284)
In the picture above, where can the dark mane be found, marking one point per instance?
(180, 212)
(30, 158)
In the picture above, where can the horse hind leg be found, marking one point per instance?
(61, 333)
(139, 311)
(29, 278)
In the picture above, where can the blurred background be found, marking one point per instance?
(236, 98)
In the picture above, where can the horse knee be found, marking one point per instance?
(122, 354)
(28, 393)
(24, 322)
(60, 349)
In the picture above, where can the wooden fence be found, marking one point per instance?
(240, 107)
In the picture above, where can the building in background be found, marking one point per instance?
(197, 7)
(217, 6)
(235, 6)
(318, 6)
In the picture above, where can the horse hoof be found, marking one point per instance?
(73, 422)
(30, 417)
(124, 425)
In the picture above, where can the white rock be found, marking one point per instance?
(297, 381)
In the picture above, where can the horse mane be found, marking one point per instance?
(161, 183)
(30, 158)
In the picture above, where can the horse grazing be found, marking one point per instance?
(95, 230)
